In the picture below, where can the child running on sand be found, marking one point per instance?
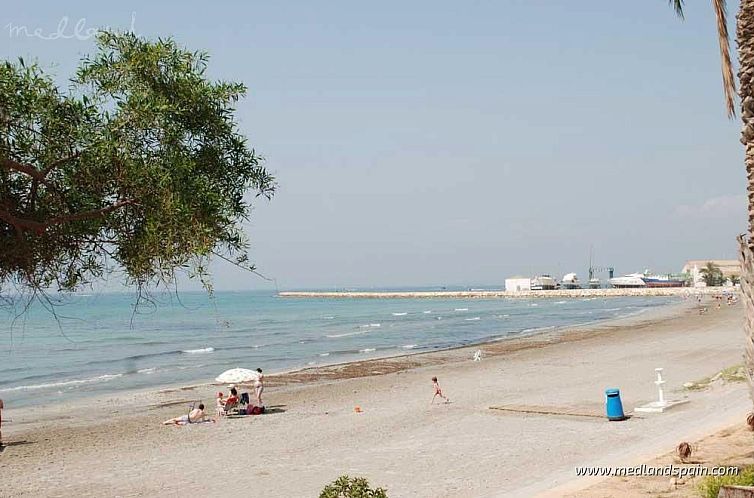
(438, 391)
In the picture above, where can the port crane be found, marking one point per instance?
(593, 281)
(599, 269)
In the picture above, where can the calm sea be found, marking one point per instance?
(98, 345)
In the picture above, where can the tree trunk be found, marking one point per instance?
(746, 257)
(745, 42)
(736, 492)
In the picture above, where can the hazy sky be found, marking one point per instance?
(441, 143)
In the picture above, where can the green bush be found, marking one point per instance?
(348, 487)
(710, 486)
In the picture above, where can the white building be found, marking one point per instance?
(517, 284)
(729, 267)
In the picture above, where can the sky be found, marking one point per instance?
(453, 143)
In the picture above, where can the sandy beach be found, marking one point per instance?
(118, 447)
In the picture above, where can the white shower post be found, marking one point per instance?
(662, 404)
(659, 382)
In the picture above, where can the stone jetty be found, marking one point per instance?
(558, 293)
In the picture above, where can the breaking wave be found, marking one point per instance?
(65, 383)
(197, 351)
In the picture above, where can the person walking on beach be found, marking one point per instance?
(259, 387)
(438, 391)
(1, 422)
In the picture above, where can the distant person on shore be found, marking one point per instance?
(220, 404)
(194, 417)
(1, 421)
(259, 387)
(438, 391)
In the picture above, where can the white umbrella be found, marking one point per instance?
(237, 376)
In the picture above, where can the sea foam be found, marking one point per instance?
(345, 334)
(33, 387)
(198, 351)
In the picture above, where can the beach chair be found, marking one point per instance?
(232, 407)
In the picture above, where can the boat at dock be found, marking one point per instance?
(663, 280)
(648, 280)
(543, 282)
(632, 280)
(570, 281)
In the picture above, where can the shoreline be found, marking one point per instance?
(399, 440)
(645, 316)
(501, 294)
(646, 313)
(667, 311)
(306, 376)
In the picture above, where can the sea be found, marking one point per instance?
(97, 344)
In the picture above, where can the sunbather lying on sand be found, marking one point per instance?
(194, 416)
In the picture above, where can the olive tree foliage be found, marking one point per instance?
(351, 487)
(137, 167)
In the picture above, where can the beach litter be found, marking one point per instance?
(358, 409)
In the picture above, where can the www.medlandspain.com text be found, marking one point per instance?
(652, 471)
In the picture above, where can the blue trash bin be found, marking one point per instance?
(613, 405)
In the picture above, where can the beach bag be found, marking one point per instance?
(257, 410)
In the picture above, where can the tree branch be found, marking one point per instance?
(251, 269)
(59, 162)
(35, 181)
(41, 226)
(39, 175)
(36, 174)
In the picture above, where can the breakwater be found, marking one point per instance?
(560, 293)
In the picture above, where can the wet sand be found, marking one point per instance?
(117, 446)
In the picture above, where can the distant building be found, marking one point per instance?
(729, 267)
(517, 284)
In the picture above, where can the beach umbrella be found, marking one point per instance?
(237, 376)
